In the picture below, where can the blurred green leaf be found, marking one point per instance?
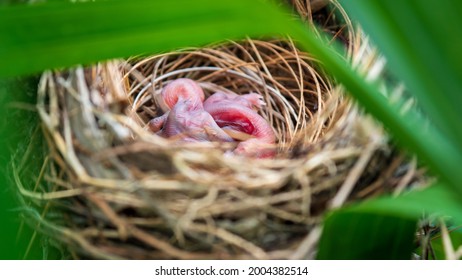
(422, 41)
(410, 128)
(59, 34)
(352, 235)
(383, 228)
(437, 200)
(16, 127)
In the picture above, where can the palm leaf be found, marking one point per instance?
(61, 34)
(422, 42)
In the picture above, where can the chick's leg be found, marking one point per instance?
(156, 124)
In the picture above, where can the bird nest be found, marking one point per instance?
(113, 189)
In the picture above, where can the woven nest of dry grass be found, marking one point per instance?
(112, 189)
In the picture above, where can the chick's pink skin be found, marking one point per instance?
(187, 121)
(252, 101)
(238, 117)
(182, 88)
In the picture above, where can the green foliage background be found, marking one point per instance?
(16, 125)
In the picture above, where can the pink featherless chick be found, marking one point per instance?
(237, 115)
(187, 121)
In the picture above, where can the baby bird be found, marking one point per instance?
(237, 116)
(187, 121)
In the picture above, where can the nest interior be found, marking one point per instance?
(112, 189)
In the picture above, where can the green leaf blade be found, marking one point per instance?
(360, 235)
(384, 228)
(49, 35)
(422, 42)
(409, 128)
